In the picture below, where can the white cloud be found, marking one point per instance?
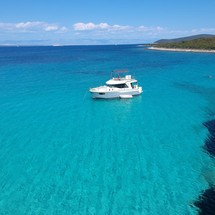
(51, 28)
(35, 26)
(101, 26)
(94, 31)
(27, 25)
(204, 30)
(83, 27)
(142, 31)
(150, 29)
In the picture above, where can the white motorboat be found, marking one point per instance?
(117, 87)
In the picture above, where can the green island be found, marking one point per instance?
(199, 44)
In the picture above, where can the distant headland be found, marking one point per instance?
(196, 43)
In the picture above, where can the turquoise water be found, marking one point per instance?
(62, 152)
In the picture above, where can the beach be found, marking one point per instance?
(181, 50)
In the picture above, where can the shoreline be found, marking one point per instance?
(181, 50)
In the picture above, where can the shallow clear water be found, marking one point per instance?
(62, 152)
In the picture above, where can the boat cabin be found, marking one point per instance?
(125, 82)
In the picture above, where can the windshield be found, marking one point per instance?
(133, 84)
(119, 85)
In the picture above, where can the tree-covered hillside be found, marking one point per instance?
(198, 36)
(203, 43)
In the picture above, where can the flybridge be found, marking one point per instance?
(115, 73)
(120, 70)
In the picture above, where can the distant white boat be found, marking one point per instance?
(117, 87)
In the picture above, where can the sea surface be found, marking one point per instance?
(62, 152)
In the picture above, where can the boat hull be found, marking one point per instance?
(115, 94)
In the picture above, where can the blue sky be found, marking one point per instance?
(34, 22)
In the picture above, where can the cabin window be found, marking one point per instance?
(119, 85)
(101, 93)
(134, 85)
